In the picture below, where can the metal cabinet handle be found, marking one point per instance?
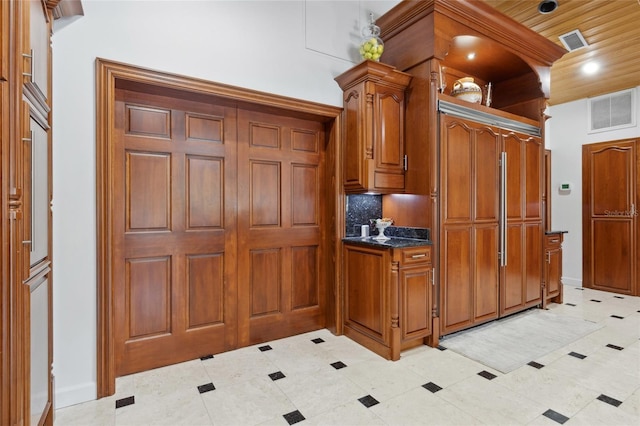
(417, 256)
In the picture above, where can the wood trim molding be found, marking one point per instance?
(109, 74)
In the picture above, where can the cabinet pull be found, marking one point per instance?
(433, 277)
(29, 74)
(406, 163)
(549, 257)
(418, 256)
(555, 240)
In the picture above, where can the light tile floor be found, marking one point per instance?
(321, 379)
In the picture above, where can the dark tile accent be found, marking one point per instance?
(368, 401)
(570, 304)
(318, 340)
(265, 348)
(206, 357)
(577, 355)
(618, 297)
(487, 375)
(338, 365)
(208, 387)
(123, 402)
(536, 365)
(293, 417)
(617, 348)
(431, 387)
(617, 316)
(277, 376)
(555, 416)
(442, 348)
(580, 288)
(361, 208)
(609, 400)
(596, 300)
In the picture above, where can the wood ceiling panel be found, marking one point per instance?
(612, 30)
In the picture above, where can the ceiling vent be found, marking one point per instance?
(573, 40)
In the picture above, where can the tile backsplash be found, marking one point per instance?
(361, 208)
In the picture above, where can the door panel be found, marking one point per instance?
(279, 240)
(610, 228)
(174, 246)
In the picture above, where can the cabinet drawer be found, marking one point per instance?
(552, 241)
(415, 255)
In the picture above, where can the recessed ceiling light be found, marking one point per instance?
(547, 6)
(471, 56)
(590, 68)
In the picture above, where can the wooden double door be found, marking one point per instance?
(491, 226)
(610, 229)
(216, 227)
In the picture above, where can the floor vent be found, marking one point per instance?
(573, 40)
(612, 111)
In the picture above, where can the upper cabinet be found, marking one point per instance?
(37, 55)
(373, 134)
(464, 38)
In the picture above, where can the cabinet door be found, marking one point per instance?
(367, 292)
(39, 193)
(388, 150)
(553, 272)
(416, 289)
(469, 184)
(38, 51)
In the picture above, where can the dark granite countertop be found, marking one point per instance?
(555, 232)
(393, 242)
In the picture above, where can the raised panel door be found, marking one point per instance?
(174, 247)
(280, 181)
(610, 218)
(469, 180)
(415, 294)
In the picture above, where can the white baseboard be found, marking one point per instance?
(72, 395)
(573, 282)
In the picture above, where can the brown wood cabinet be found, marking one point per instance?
(388, 297)
(553, 267)
(455, 148)
(26, 370)
(373, 133)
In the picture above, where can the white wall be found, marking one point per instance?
(291, 48)
(567, 131)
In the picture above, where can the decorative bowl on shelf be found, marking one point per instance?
(381, 225)
(467, 90)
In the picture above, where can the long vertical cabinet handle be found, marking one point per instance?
(503, 209)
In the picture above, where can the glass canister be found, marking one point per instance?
(372, 45)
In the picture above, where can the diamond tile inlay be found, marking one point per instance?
(577, 355)
(487, 375)
(617, 348)
(609, 400)
(368, 401)
(277, 376)
(555, 416)
(318, 340)
(431, 387)
(338, 365)
(535, 365)
(293, 417)
(265, 348)
(208, 387)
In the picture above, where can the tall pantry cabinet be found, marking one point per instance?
(478, 166)
(25, 88)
